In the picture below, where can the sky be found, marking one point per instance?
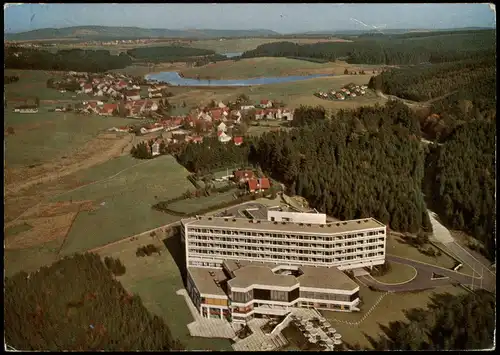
(279, 17)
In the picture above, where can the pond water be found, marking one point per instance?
(173, 78)
(232, 55)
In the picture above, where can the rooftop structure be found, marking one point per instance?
(296, 217)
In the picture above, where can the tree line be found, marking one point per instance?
(389, 51)
(197, 56)
(356, 164)
(77, 304)
(64, 60)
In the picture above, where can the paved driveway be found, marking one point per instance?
(424, 280)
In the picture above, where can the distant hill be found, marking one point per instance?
(387, 31)
(113, 33)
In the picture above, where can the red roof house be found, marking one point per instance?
(243, 175)
(256, 185)
(238, 140)
(216, 114)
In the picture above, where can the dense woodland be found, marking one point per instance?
(175, 54)
(77, 304)
(440, 48)
(463, 322)
(64, 60)
(460, 173)
(366, 162)
(461, 178)
(422, 83)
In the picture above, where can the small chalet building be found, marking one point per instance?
(222, 127)
(247, 107)
(223, 137)
(259, 114)
(132, 95)
(266, 103)
(87, 88)
(258, 185)
(155, 148)
(241, 176)
(238, 140)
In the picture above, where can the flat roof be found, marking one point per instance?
(260, 275)
(233, 265)
(252, 273)
(324, 277)
(264, 225)
(205, 283)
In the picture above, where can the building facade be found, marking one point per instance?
(346, 245)
(240, 268)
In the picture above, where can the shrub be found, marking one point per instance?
(115, 265)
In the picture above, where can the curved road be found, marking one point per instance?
(424, 281)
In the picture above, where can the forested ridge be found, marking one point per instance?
(456, 46)
(172, 54)
(460, 173)
(360, 163)
(423, 83)
(64, 60)
(463, 322)
(76, 304)
(461, 177)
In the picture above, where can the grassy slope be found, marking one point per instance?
(47, 135)
(265, 66)
(127, 200)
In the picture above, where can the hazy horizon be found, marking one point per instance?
(281, 18)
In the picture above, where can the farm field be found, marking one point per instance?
(44, 136)
(292, 94)
(266, 67)
(34, 83)
(156, 279)
(122, 203)
(390, 309)
(195, 204)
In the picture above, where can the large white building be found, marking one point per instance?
(240, 268)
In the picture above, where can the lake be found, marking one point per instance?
(173, 78)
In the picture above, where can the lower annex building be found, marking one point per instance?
(241, 268)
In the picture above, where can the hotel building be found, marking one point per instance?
(240, 268)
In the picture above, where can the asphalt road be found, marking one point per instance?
(424, 280)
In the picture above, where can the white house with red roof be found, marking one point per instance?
(223, 137)
(266, 103)
(132, 95)
(107, 109)
(87, 88)
(222, 127)
(259, 114)
(238, 140)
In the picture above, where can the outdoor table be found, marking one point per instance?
(337, 336)
(337, 342)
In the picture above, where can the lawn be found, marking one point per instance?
(33, 83)
(30, 259)
(399, 273)
(16, 229)
(397, 246)
(156, 279)
(123, 203)
(256, 68)
(45, 136)
(195, 204)
(388, 310)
